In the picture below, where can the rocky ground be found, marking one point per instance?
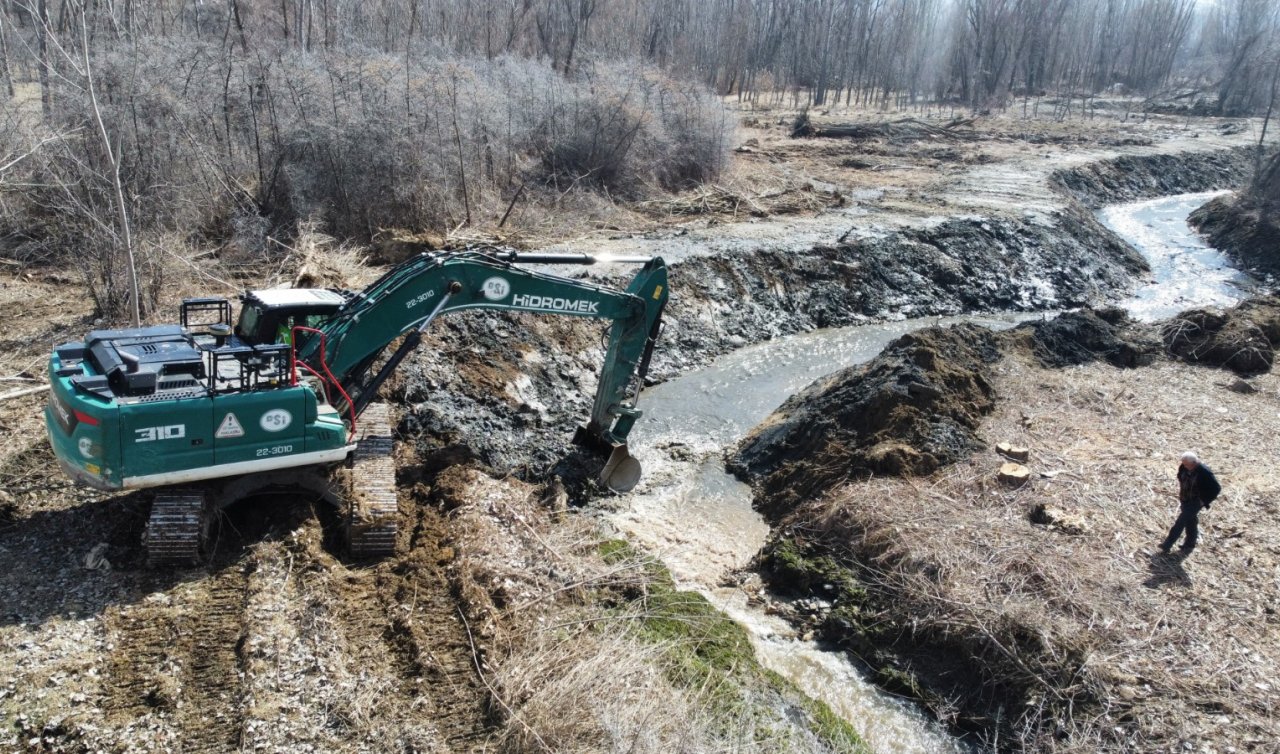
(280, 645)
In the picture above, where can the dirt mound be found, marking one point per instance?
(1240, 339)
(1132, 177)
(910, 410)
(913, 409)
(959, 265)
(1088, 335)
(1238, 226)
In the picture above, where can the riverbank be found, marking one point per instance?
(1038, 617)
(997, 230)
(502, 608)
(1235, 224)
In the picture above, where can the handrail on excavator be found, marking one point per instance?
(294, 362)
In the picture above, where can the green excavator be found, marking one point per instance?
(209, 413)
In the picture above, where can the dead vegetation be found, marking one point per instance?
(902, 129)
(1044, 615)
(655, 670)
(730, 204)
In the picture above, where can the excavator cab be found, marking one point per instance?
(269, 316)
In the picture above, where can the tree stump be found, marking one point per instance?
(1013, 451)
(1014, 474)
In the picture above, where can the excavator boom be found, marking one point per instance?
(212, 413)
(407, 298)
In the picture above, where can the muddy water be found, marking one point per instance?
(699, 520)
(1185, 272)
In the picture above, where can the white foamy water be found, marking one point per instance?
(1186, 273)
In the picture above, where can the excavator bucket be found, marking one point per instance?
(621, 472)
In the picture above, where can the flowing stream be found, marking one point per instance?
(700, 522)
(1186, 273)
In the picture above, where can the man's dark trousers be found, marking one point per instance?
(1188, 519)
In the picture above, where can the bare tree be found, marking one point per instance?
(6, 69)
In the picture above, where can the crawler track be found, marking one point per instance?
(373, 511)
(177, 529)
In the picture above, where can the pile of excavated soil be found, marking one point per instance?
(1241, 339)
(1129, 178)
(1042, 617)
(916, 406)
(959, 265)
(1087, 335)
(910, 410)
(1247, 224)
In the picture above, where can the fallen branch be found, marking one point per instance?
(903, 128)
(21, 392)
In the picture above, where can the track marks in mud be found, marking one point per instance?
(431, 631)
(286, 648)
(369, 657)
(174, 663)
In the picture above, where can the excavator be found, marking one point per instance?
(209, 412)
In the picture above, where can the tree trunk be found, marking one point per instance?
(5, 71)
(42, 55)
(122, 210)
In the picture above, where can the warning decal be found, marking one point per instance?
(230, 427)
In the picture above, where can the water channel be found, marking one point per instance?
(700, 522)
(1185, 272)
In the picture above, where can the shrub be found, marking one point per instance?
(231, 149)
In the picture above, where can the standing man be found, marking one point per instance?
(1197, 488)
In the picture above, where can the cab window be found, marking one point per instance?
(248, 325)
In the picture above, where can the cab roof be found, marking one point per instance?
(293, 297)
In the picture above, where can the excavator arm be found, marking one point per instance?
(405, 300)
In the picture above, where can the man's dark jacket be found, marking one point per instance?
(1199, 485)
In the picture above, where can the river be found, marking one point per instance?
(700, 522)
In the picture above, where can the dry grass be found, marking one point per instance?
(584, 690)
(1161, 650)
(586, 646)
(318, 260)
(733, 203)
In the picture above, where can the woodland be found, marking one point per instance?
(133, 132)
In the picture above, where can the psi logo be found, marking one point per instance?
(496, 288)
(276, 420)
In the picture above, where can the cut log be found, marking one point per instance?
(1014, 474)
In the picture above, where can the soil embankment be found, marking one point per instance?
(1040, 616)
(910, 410)
(1129, 178)
(499, 393)
(1247, 223)
(1238, 226)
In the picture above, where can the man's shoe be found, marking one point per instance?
(1186, 550)
(1164, 549)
